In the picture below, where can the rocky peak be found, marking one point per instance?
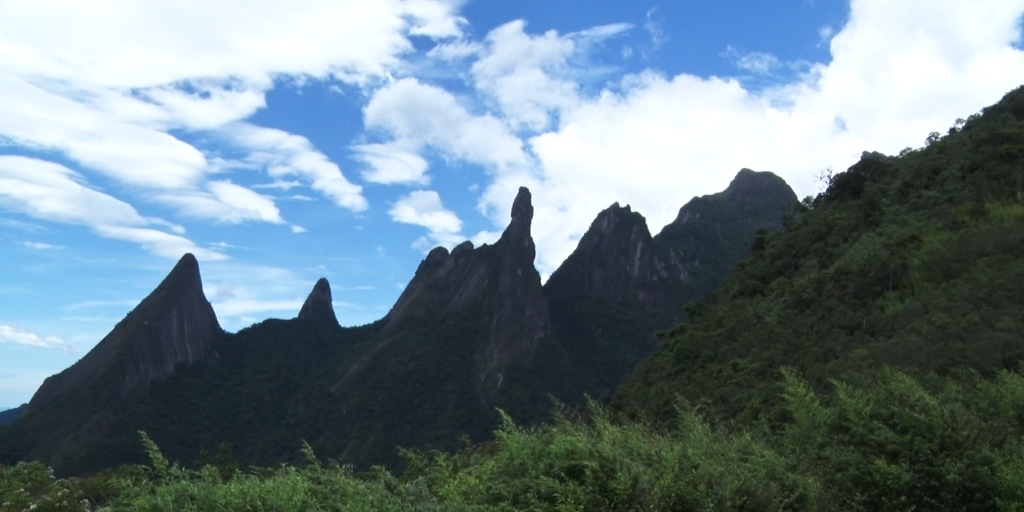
(748, 186)
(713, 233)
(618, 259)
(173, 324)
(516, 239)
(522, 215)
(319, 304)
(497, 280)
(753, 195)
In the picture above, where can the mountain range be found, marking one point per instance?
(475, 331)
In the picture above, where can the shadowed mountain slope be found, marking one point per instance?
(473, 332)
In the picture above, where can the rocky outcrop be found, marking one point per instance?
(617, 259)
(319, 305)
(501, 277)
(500, 284)
(712, 233)
(174, 324)
(759, 198)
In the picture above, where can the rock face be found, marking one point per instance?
(319, 305)
(712, 233)
(174, 324)
(617, 259)
(498, 279)
(501, 275)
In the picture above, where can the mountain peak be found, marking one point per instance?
(522, 219)
(498, 283)
(319, 303)
(173, 324)
(522, 207)
(750, 185)
(617, 259)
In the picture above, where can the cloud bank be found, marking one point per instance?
(898, 71)
(118, 89)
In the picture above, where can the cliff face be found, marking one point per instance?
(617, 259)
(174, 324)
(499, 279)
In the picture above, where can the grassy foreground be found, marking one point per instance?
(890, 442)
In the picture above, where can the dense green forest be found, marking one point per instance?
(893, 444)
(866, 357)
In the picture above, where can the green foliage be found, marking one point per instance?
(912, 261)
(884, 441)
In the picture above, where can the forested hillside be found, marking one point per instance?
(912, 261)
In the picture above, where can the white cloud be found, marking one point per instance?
(40, 245)
(657, 141)
(653, 28)
(434, 19)
(225, 202)
(175, 41)
(758, 62)
(522, 73)
(105, 83)
(157, 242)
(240, 292)
(107, 131)
(390, 164)
(825, 33)
(418, 115)
(455, 50)
(9, 334)
(424, 208)
(279, 184)
(283, 155)
(52, 192)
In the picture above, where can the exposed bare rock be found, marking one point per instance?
(319, 305)
(617, 259)
(174, 324)
(498, 279)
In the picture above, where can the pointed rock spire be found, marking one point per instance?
(319, 303)
(517, 237)
(173, 324)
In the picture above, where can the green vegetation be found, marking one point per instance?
(950, 443)
(912, 261)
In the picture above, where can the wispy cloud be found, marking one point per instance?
(43, 246)
(108, 87)
(424, 208)
(653, 27)
(52, 192)
(9, 334)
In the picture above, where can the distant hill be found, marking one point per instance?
(473, 332)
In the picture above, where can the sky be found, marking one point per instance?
(281, 142)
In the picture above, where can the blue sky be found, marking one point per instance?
(282, 142)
